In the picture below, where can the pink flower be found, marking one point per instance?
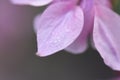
(66, 24)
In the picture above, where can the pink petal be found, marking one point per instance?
(106, 3)
(106, 36)
(32, 2)
(80, 44)
(58, 27)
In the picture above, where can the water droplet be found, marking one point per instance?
(55, 42)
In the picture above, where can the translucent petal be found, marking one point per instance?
(106, 36)
(80, 44)
(58, 27)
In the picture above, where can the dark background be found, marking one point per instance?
(18, 47)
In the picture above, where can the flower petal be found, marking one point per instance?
(80, 44)
(32, 2)
(58, 27)
(106, 36)
(106, 3)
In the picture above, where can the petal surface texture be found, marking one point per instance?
(107, 36)
(32, 2)
(80, 44)
(58, 27)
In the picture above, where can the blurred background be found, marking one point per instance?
(18, 47)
